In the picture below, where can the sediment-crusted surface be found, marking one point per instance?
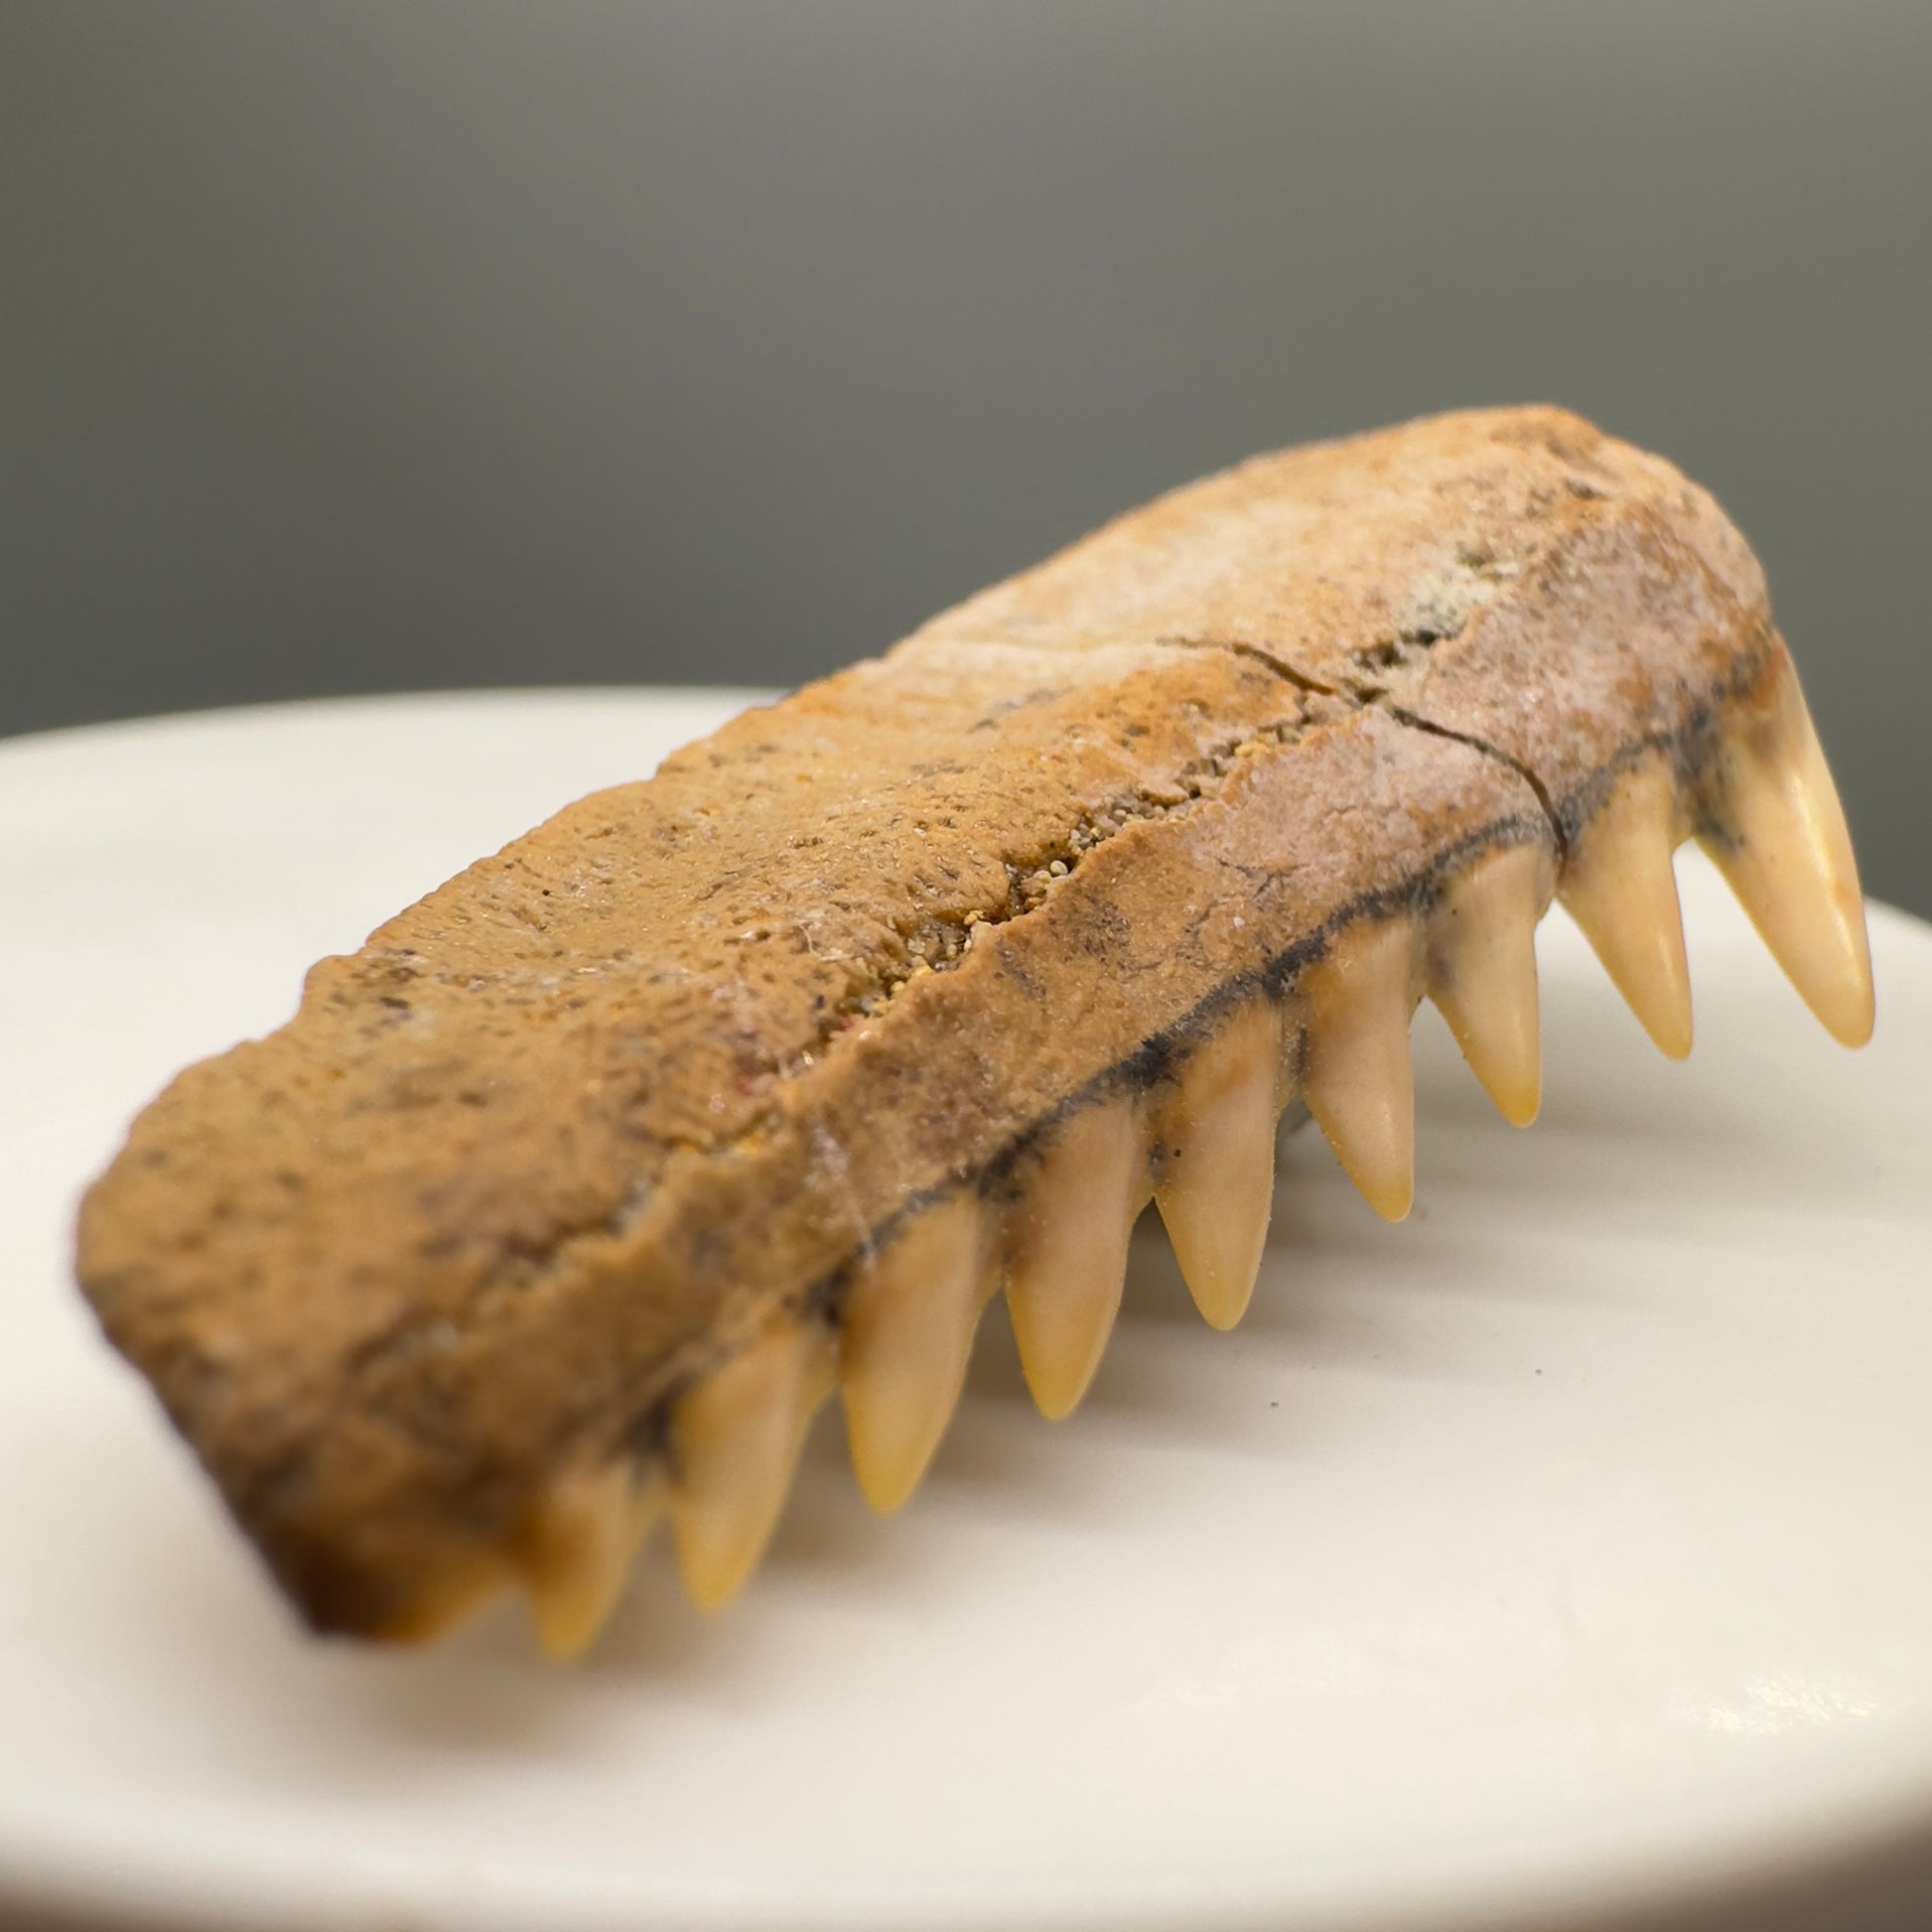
(566, 1130)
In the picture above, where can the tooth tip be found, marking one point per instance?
(712, 1575)
(1390, 1192)
(565, 1630)
(1221, 1283)
(1383, 1174)
(710, 1592)
(1055, 1393)
(1055, 1405)
(1670, 1033)
(1222, 1286)
(1666, 1021)
(1222, 1317)
(1516, 1093)
(886, 1474)
(1391, 1201)
(561, 1641)
(1851, 1018)
(1222, 1296)
(1056, 1389)
(1844, 1000)
(1829, 971)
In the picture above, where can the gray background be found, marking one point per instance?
(374, 346)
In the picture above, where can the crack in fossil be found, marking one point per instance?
(1388, 653)
(1415, 722)
(1265, 655)
(939, 944)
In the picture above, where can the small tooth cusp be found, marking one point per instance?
(575, 1551)
(1215, 1179)
(1068, 1249)
(1619, 886)
(1776, 831)
(1355, 1073)
(1481, 963)
(735, 1441)
(909, 1322)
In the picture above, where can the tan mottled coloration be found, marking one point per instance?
(564, 1135)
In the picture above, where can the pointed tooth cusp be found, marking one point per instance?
(1355, 1074)
(1619, 886)
(1481, 954)
(574, 1549)
(735, 1441)
(1781, 840)
(1066, 1257)
(908, 1335)
(1215, 1179)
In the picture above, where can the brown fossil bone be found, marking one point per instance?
(572, 1194)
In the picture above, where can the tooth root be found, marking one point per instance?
(1215, 1182)
(1782, 844)
(1619, 886)
(1482, 973)
(735, 1441)
(576, 1549)
(1067, 1254)
(908, 1335)
(1355, 1074)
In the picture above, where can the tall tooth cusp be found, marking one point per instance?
(734, 1442)
(1214, 1178)
(1066, 1256)
(1620, 887)
(909, 1317)
(1356, 1000)
(1480, 947)
(1776, 830)
(575, 1547)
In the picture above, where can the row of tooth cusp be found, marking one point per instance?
(1199, 1142)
